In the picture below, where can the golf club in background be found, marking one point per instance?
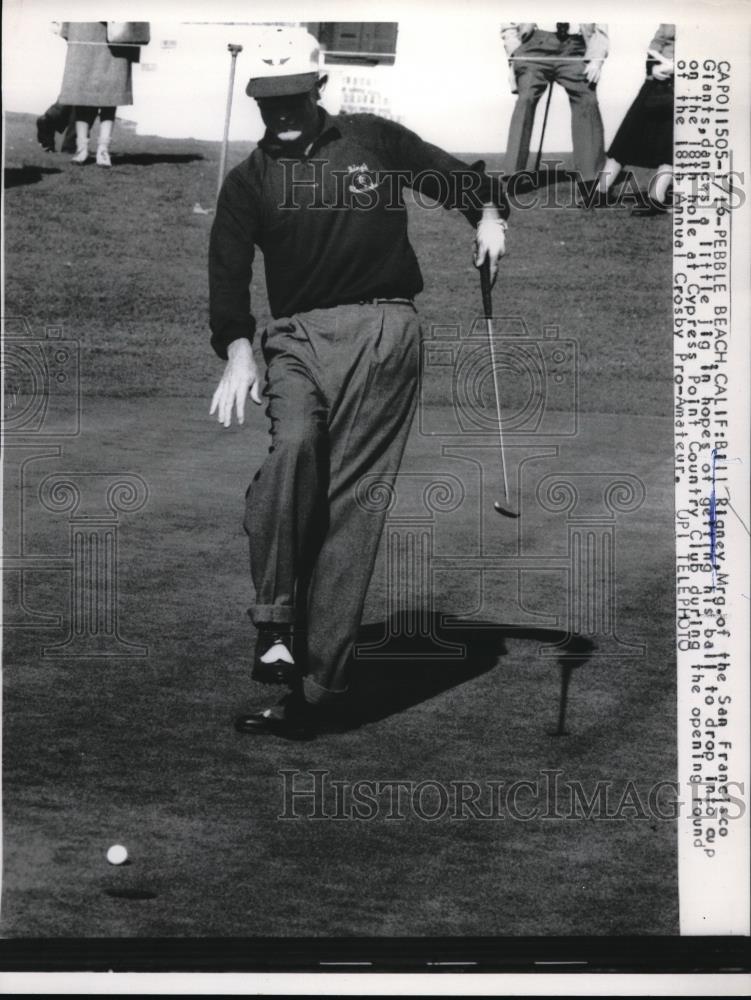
(544, 124)
(487, 308)
(531, 180)
(233, 50)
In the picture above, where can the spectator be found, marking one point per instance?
(97, 80)
(569, 54)
(645, 137)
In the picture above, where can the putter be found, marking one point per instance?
(487, 307)
(233, 50)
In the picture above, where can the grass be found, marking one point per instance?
(125, 271)
(141, 751)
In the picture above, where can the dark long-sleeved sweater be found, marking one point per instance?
(331, 222)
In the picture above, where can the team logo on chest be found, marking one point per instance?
(360, 178)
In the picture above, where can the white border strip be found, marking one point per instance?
(314, 984)
(711, 321)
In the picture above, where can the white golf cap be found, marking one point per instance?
(285, 60)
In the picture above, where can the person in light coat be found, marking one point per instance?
(97, 80)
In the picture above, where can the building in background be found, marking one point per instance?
(358, 57)
(445, 77)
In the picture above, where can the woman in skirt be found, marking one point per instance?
(97, 80)
(645, 138)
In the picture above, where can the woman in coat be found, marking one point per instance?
(645, 137)
(97, 80)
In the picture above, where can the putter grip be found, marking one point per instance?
(487, 298)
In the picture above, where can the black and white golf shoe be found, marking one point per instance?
(274, 662)
(291, 719)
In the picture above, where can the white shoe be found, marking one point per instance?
(81, 156)
(103, 158)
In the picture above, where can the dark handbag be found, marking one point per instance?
(128, 33)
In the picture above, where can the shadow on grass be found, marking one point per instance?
(18, 176)
(625, 192)
(533, 180)
(152, 159)
(395, 668)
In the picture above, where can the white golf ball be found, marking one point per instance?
(117, 854)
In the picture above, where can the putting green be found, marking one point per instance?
(141, 751)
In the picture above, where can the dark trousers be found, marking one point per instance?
(542, 59)
(341, 386)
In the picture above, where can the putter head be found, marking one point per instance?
(506, 511)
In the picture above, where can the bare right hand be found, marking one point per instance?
(663, 68)
(592, 70)
(240, 377)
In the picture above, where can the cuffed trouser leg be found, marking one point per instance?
(369, 425)
(285, 502)
(342, 387)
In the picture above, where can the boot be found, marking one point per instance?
(68, 144)
(82, 144)
(103, 143)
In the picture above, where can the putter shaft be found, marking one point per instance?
(487, 305)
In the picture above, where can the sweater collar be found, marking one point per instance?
(329, 128)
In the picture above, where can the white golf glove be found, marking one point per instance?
(240, 377)
(490, 242)
(663, 68)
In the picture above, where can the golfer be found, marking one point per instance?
(322, 198)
